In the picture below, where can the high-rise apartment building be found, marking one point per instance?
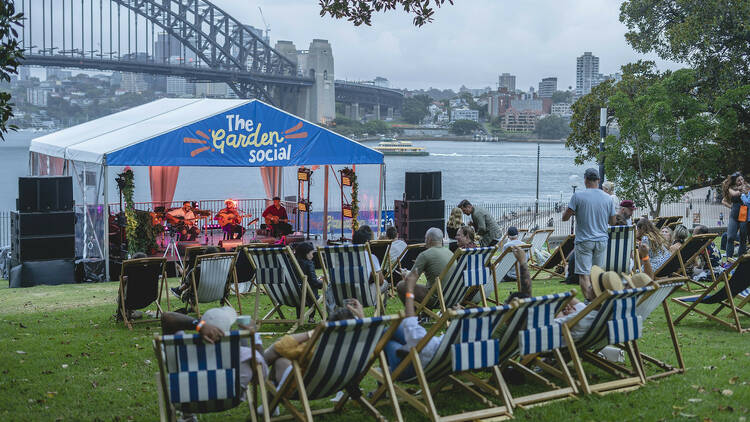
(547, 87)
(507, 81)
(587, 73)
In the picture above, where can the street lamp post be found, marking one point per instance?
(536, 205)
(602, 135)
(573, 217)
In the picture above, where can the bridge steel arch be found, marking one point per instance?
(231, 52)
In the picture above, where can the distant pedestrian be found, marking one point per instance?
(609, 188)
(733, 188)
(486, 227)
(594, 211)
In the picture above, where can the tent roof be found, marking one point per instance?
(204, 132)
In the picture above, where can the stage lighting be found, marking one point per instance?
(304, 174)
(346, 210)
(304, 206)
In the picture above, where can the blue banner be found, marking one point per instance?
(334, 222)
(253, 134)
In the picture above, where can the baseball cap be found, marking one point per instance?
(512, 231)
(627, 204)
(591, 174)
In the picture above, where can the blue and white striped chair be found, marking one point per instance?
(532, 331)
(279, 274)
(538, 242)
(346, 271)
(198, 377)
(337, 356)
(620, 248)
(616, 322)
(467, 272)
(216, 278)
(467, 345)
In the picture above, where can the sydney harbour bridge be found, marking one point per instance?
(198, 41)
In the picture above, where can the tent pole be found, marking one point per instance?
(106, 221)
(380, 199)
(325, 206)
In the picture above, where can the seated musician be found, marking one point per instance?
(184, 220)
(230, 220)
(276, 218)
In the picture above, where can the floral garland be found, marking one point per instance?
(131, 227)
(355, 195)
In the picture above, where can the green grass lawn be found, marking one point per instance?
(64, 357)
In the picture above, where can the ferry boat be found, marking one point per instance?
(394, 147)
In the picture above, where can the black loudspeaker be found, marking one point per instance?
(51, 272)
(183, 244)
(419, 210)
(43, 223)
(423, 186)
(229, 245)
(37, 248)
(45, 193)
(414, 230)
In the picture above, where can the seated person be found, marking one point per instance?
(290, 347)
(679, 237)
(455, 222)
(212, 327)
(277, 219)
(512, 241)
(397, 245)
(230, 220)
(431, 262)
(183, 220)
(714, 255)
(465, 237)
(653, 248)
(183, 290)
(304, 252)
(361, 236)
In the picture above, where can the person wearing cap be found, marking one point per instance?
(276, 218)
(627, 208)
(486, 227)
(512, 241)
(230, 220)
(594, 213)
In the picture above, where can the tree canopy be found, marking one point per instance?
(414, 108)
(360, 11)
(10, 58)
(464, 127)
(552, 127)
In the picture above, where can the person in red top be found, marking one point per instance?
(276, 218)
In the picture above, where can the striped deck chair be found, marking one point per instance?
(215, 280)
(467, 272)
(198, 377)
(244, 271)
(532, 332)
(648, 304)
(337, 356)
(346, 270)
(736, 279)
(620, 246)
(467, 345)
(409, 255)
(558, 257)
(279, 274)
(191, 255)
(382, 250)
(502, 264)
(140, 287)
(616, 322)
(538, 241)
(677, 264)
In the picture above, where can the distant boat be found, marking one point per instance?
(390, 146)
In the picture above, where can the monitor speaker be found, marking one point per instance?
(419, 210)
(229, 245)
(414, 230)
(423, 186)
(38, 248)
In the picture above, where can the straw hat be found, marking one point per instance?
(638, 280)
(601, 280)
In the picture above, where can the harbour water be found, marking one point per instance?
(478, 171)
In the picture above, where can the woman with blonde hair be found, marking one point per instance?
(653, 248)
(455, 222)
(679, 236)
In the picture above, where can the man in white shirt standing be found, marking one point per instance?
(594, 213)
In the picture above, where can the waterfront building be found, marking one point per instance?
(547, 87)
(587, 73)
(507, 81)
(465, 114)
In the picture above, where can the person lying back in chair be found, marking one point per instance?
(180, 290)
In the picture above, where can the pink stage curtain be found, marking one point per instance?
(42, 164)
(163, 183)
(50, 166)
(271, 180)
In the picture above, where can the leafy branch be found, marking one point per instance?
(10, 58)
(360, 11)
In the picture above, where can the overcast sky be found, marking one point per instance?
(469, 43)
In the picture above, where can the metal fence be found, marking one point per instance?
(4, 228)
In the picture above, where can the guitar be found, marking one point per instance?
(225, 218)
(274, 219)
(179, 219)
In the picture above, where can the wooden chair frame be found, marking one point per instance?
(507, 254)
(386, 266)
(625, 382)
(557, 257)
(470, 384)
(231, 278)
(295, 382)
(735, 310)
(437, 287)
(707, 239)
(536, 244)
(304, 292)
(162, 287)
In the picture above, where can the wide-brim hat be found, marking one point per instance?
(605, 280)
(637, 280)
